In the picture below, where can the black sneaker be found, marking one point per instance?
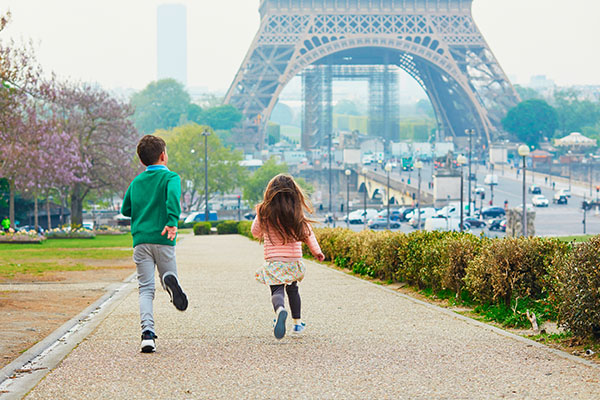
(178, 298)
(148, 344)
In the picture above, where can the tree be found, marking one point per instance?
(347, 107)
(185, 147)
(102, 128)
(163, 104)
(282, 114)
(255, 186)
(221, 117)
(531, 120)
(20, 78)
(526, 93)
(573, 114)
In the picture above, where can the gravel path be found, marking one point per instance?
(361, 342)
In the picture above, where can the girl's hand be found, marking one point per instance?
(320, 257)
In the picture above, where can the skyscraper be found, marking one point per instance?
(172, 42)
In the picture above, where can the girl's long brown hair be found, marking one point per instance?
(282, 210)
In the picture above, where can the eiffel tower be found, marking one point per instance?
(434, 41)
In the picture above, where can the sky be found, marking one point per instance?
(113, 42)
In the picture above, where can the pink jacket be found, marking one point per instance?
(276, 250)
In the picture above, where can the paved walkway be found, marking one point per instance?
(362, 341)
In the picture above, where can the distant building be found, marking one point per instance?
(172, 42)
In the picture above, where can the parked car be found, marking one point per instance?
(199, 216)
(28, 228)
(565, 192)
(492, 212)
(475, 222)
(539, 200)
(403, 213)
(394, 214)
(535, 189)
(441, 223)
(381, 222)
(497, 224)
(425, 213)
(560, 199)
(250, 216)
(359, 216)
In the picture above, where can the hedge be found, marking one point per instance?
(227, 227)
(202, 228)
(561, 278)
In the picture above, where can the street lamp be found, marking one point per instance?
(569, 152)
(469, 133)
(419, 167)
(461, 160)
(523, 151)
(388, 169)
(206, 133)
(348, 173)
(364, 172)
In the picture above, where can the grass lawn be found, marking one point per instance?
(575, 238)
(63, 254)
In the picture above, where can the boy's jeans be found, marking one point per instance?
(146, 256)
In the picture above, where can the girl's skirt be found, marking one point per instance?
(280, 272)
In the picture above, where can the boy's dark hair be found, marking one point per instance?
(149, 149)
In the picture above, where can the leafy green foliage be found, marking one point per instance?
(577, 283)
(575, 115)
(255, 186)
(244, 229)
(202, 228)
(162, 104)
(531, 120)
(220, 117)
(501, 278)
(185, 148)
(227, 228)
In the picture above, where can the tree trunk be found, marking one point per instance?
(11, 204)
(35, 213)
(77, 205)
(48, 212)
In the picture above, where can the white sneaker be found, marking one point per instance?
(299, 328)
(279, 329)
(148, 344)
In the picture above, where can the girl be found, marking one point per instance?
(281, 224)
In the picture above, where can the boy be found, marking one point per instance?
(152, 202)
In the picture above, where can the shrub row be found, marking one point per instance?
(224, 228)
(564, 277)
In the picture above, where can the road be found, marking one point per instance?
(555, 220)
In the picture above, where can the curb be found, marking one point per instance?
(21, 375)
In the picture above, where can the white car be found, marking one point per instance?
(359, 217)
(441, 223)
(565, 192)
(539, 201)
(425, 213)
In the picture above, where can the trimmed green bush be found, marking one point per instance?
(227, 227)
(577, 282)
(243, 228)
(202, 228)
(503, 277)
(183, 225)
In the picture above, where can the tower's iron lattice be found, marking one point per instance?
(435, 41)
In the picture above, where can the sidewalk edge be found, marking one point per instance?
(44, 356)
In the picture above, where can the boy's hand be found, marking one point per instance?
(320, 256)
(171, 232)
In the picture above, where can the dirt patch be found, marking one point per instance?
(28, 316)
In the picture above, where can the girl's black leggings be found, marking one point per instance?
(278, 298)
